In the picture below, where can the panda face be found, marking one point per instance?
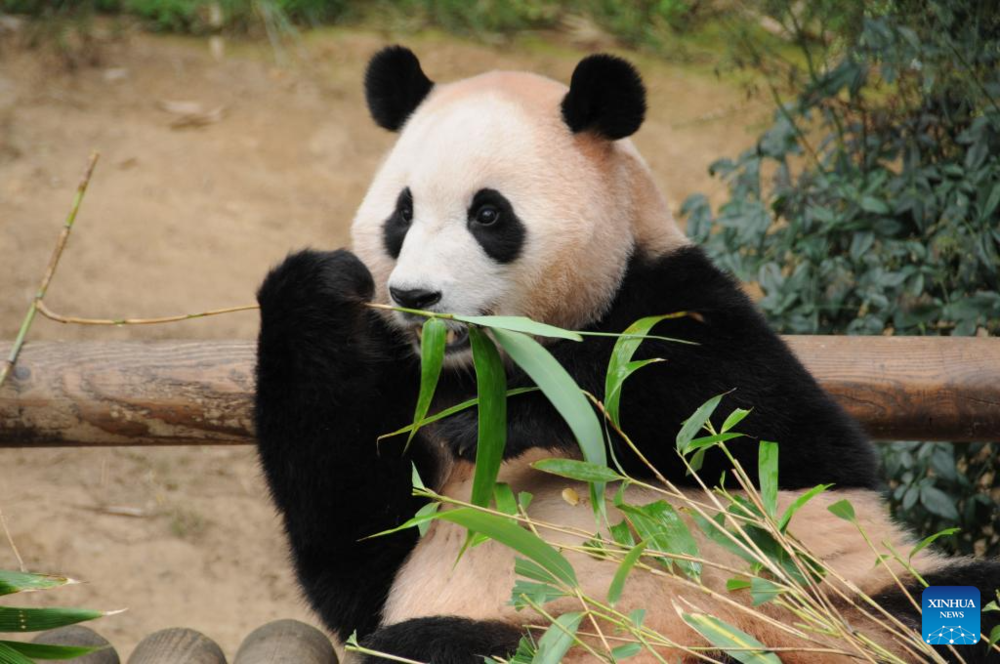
(490, 204)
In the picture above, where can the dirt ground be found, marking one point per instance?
(183, 220)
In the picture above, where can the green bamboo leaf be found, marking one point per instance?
(618, 582)
(433, 340)
(526, 593)
(714, 533)
(767, 475)
(13, 619)
(763, 591)
(423, 515)
(843, 509)
(734, 584)
(10, 656)
(929, 540)
(710, 441)
(514, 537)
(504, 498)
(560, 388)
(531, 570)
(626, 651)
(694, 423)
(558, 639)
(491, 383)
(799, 503)
(46, 651)
(18, 582)
(621, 366)
(520, 324)
(663, 528)
(995, 635)
(577, 470)
(621, 533)
(734, 642)
(565, 395)
(423, 524)
(735, 418)
(448, 412)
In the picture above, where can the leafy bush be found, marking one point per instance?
(872, 206)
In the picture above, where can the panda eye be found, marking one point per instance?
(487, 215)
(404, 206)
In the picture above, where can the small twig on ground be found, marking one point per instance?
(10, 539)
(50, 270)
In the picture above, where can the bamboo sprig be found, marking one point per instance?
(50, 270)
(38, 305)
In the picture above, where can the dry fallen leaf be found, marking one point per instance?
(191, 113)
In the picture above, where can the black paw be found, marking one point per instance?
(316, 286)
(460, 432)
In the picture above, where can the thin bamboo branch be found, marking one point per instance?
(50, 270)
(60, 318)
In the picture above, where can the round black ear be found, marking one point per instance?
(606, 96)
(394, 86)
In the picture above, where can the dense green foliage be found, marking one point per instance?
(872, 206)
(636, 23)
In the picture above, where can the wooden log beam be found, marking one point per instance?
(199, 392)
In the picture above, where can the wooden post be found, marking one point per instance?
(199, 393)
(286, 642)
(78, 635)
(177, 645)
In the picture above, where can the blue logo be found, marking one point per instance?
(951, 615)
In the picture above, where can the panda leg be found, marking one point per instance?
(981, 574)
(444, 640)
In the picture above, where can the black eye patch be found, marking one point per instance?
(396, 226)
(495, 226)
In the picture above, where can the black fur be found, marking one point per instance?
(503, 239)
(332, 376)
(398, 225)
(394, 86)
(330, 379)
(444, 640)
(606, 96)
(981, 574)
(736, 351)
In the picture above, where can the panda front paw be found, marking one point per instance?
(325, 289)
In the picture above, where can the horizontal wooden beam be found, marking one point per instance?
(199, 392)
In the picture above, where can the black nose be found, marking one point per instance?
(415, 298)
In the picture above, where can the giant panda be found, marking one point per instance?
(509, 193)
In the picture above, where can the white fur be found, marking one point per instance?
(585, 203)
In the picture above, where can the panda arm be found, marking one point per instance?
(330, 379)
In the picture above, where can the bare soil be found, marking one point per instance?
(184, 220)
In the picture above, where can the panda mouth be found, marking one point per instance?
(456, 340)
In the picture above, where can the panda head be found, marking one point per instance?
(508, 193)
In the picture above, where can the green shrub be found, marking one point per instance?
(872, 206)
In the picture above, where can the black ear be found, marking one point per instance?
(394, 86)
(606, 96)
